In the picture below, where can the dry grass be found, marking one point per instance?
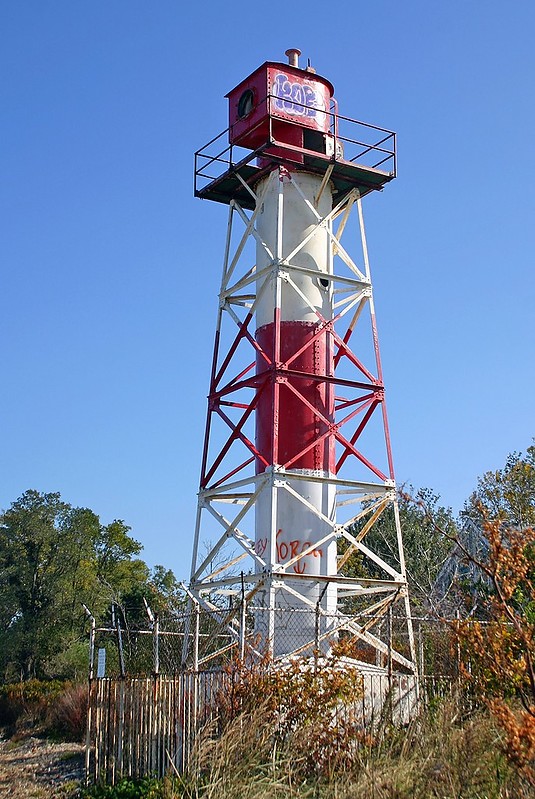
(437, 756)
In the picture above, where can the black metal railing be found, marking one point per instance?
(353, 143)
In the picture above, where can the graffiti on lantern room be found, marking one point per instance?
(297, 99)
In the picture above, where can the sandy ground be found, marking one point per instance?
(34, 768)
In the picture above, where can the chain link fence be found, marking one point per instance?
(200, 639)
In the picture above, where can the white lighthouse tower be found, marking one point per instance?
(297, 465)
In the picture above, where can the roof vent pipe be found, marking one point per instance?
(293, 56)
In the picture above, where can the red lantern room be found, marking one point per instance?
(282, 103)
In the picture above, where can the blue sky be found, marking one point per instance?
(110, 267)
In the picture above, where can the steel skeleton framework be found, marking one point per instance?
(226, 561)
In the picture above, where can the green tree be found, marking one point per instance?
(507, 494)
(33, 575)
(53, 557)
(505, 497)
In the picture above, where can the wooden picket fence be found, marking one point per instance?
(140, 726)
(146, 725)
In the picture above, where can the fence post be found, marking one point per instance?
(317, 632)
(117, 624)
(390, 681)
(196, 639)
(155, 625)
(317, 625)
(458, 645)
(242, 620)
(379, 657)
(195, 674)
(156, 644)
(421, 652)
(92, 635)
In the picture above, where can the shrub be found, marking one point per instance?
(67, 714)
(27, 703)
(310, 703)
(127, 788)
(499, 656)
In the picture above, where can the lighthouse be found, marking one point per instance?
(297, 465)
